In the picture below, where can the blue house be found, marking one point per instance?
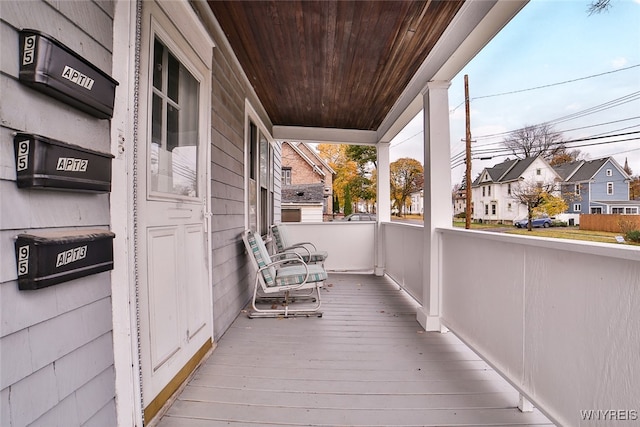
(599, 186)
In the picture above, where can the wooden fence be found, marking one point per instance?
(610, 222)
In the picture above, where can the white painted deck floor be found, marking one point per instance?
(366, 362)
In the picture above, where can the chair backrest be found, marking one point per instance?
(259, 256)
(279, 235)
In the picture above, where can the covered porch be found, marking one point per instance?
(365, 362)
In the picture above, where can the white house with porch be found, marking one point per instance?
(187, 102)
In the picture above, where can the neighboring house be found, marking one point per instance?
(599, 186)
(302, 166)
(492, 191)
(459, 199)
(416, 205)
(303, 202)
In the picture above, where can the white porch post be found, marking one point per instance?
(437, 197)
(383, 199)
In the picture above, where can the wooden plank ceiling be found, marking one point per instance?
(332, 64)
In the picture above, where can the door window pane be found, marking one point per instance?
(174, 130)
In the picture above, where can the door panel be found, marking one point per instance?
(196, 272)
(164, 310)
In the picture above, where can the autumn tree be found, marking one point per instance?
(537, 197)
(565, 156)
(407, 176)
(353, 171)
(536, 140)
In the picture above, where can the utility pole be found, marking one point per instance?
(467, 182)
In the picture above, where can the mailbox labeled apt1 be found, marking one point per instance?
(48, 258)
(47, 163)
(52, 68)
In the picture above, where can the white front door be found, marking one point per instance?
(173, 253)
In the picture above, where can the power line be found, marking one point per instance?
(546, 86)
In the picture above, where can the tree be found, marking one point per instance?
(533, 195)
(363, 155)
(551, 205)
(532, 141)
(565, 156)
(336, 204)
(598, 6)
(348, 204)
(407, 176)
(634, 188)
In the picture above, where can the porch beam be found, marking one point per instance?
(437, 198)
(325, 135)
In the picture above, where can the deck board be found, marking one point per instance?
(365, 362)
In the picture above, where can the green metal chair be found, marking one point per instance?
(279, 275)
(307, 250)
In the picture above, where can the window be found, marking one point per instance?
(617, 210)
(486, 209)
(489, 191)
(260, 186)
(538, 172)
(509, 190)
(577, 207)
(286, 176)
(609, 188)
(609, 172)
(509, 206)
(173, 167)
(493, 208)
(597, 210)
(631, 211)
(577, 189)
(483, 191)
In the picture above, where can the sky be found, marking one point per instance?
(579, 72)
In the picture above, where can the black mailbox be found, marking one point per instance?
(49, 66)
(46, 163)
(45, 259)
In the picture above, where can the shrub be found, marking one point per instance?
(559, 223)
(633, 236)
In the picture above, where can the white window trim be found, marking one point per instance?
(610, 186)
(251, 116)
(609, 172)
(577, 207)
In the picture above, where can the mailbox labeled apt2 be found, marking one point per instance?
(48, 258)
(52, 68)
(47, 163)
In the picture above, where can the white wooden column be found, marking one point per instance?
(437, 197)
(383, 203)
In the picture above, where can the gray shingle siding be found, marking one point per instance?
(56, 345)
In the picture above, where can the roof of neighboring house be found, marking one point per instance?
(509, 170)
(312, 162)
(587, 170)
(565, 170)
(517, 169)
(303, 193)
(584, 170)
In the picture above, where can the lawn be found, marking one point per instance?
(573, 233)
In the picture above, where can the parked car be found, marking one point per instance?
(543, 221)
(360, 217)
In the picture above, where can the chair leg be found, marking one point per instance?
(287, 311)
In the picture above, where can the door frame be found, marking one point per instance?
(176, 25)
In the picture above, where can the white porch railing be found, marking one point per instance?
(351, 245)
(560, 320)
(403, 259)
